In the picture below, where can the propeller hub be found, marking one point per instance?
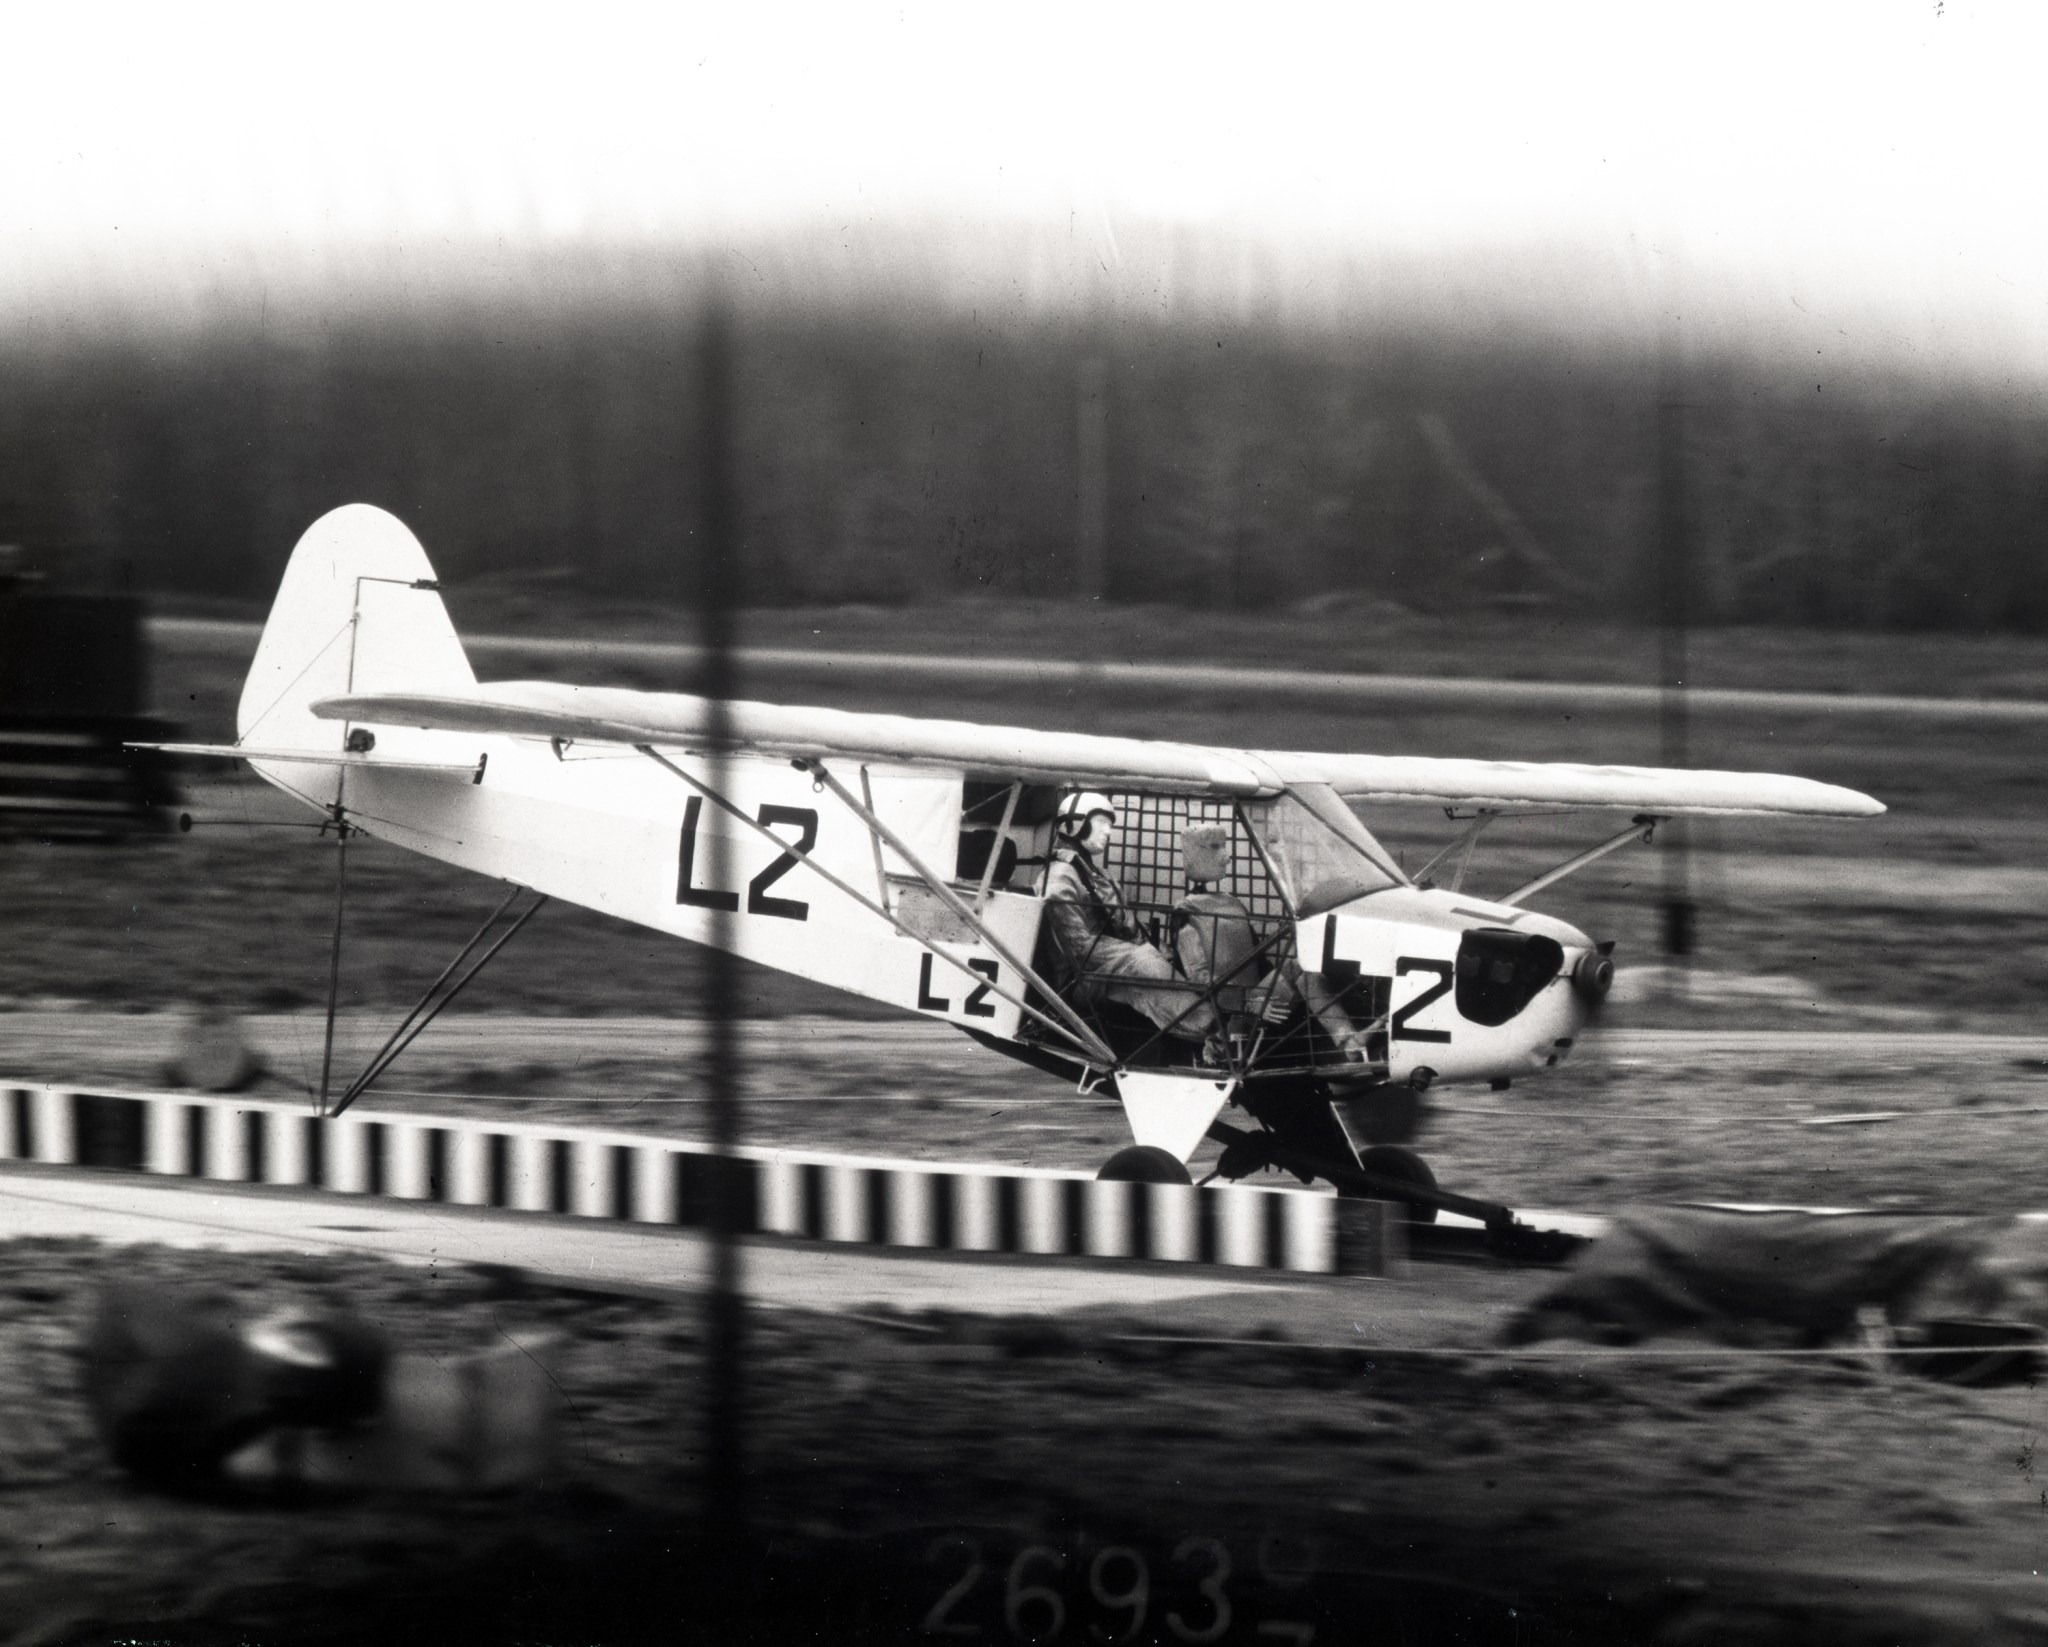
(1593, 977)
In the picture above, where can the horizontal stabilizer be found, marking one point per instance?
(307, 757)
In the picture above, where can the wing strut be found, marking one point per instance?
(1640, 830)
(1086, 1040)
(995, 852)
(874, 843)
(1467, 840)
(958, 905)
(430, 1004)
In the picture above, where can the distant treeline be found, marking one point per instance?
(886, 456)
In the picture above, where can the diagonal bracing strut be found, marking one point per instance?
(1076, 1025)
(443, 990)
(1640, 829)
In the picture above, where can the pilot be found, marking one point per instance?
(1098, 934)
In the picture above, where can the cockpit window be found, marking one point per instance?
(1321, 854)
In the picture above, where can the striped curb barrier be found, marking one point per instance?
(631, 1177)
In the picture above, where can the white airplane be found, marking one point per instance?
(1031, 888)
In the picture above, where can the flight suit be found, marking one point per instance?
(1104, 944)
(1216, 941)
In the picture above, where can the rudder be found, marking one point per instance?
(357, 611)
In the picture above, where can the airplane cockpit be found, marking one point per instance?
(1218, 888)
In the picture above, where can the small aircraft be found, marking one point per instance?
(1190, 927)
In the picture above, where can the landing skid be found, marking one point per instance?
(1506, 1235)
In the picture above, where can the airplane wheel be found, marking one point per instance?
(1389, 1113)
(1144, 1164)
(1392, 1161)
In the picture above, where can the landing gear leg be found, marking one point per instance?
(1386, 1172)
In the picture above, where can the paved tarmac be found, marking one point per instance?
(1428, 1306)
(42, 1201)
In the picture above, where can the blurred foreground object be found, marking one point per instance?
(488, 1421)
(72, 686)
(177, 1382)
(1967, 1296)
(192, 1397)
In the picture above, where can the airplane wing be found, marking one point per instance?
(616, 715)
(1662, 791)
(606, 714)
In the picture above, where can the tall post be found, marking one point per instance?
(1091, 476)
(340, 817)
(716, 592)
(1674, 586)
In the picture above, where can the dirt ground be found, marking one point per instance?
(965, 1478)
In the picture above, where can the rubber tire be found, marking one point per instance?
(1390, 1113)
(1143, 1164)
(1392, 1161)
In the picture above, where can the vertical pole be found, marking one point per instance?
(355, 629)
(1091, 477)
(1674, 580)
(716, 592)
(334, 954)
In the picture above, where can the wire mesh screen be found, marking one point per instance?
(1145, 859)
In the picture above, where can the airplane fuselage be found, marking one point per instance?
(612, 830)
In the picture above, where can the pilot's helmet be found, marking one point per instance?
(1079, 807)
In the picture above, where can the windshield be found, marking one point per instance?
(1322, 855)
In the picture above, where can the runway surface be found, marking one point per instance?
(189, 1213)
(1425, 1308)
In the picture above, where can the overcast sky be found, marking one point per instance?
(1869, 172)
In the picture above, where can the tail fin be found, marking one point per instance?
(358, 611)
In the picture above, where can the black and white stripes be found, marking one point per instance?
(542, 1168)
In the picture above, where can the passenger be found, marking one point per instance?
(1098, 934)
(1214, 938)
(1217, 944)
